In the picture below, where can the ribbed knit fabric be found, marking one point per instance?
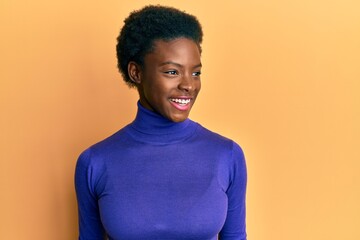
(156, 179)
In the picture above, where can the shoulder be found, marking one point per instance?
(228, 154)
(92, 165)
(210, 136)
(219, 144)
(94, 155)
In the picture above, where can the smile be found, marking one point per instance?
(180, 101)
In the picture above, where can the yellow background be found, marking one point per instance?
(282, 78)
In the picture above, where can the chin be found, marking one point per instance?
(179, 118)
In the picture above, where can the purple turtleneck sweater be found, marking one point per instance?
(156, 179)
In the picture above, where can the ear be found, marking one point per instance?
(134, 71)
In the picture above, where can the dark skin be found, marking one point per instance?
(169, 81)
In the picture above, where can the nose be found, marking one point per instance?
(187, 83)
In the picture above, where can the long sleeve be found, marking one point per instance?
(235, 226)
(90, 226)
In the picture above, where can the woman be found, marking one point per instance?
(162, 176)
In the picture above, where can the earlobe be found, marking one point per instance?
(134, 71)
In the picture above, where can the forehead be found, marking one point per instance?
(165, 43)
(180, 49)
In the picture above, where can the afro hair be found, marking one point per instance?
(143, 27)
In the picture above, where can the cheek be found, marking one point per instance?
(198, 86)
(157, 89)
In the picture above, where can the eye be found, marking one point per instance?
(171, 72)
(196, 74)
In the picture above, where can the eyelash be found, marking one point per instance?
(197, 74)
(174, 72)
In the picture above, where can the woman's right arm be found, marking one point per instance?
(90, 226)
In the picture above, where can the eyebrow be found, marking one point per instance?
(178, 64)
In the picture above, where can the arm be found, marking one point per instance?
(90, 226)
(235, 226)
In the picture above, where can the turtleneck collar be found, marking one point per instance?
(152, 127)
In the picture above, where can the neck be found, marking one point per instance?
(152, 127)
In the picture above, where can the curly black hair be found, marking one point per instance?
(143, 27)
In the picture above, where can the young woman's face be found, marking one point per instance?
(169, 82)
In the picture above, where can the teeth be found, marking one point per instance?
(181, 101)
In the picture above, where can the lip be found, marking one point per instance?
(180, 107)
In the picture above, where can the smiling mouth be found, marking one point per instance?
(180, 101)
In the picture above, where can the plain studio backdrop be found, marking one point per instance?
(282, 78)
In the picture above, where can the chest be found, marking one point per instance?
(163, 196)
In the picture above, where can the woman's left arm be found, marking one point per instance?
(235, 225)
